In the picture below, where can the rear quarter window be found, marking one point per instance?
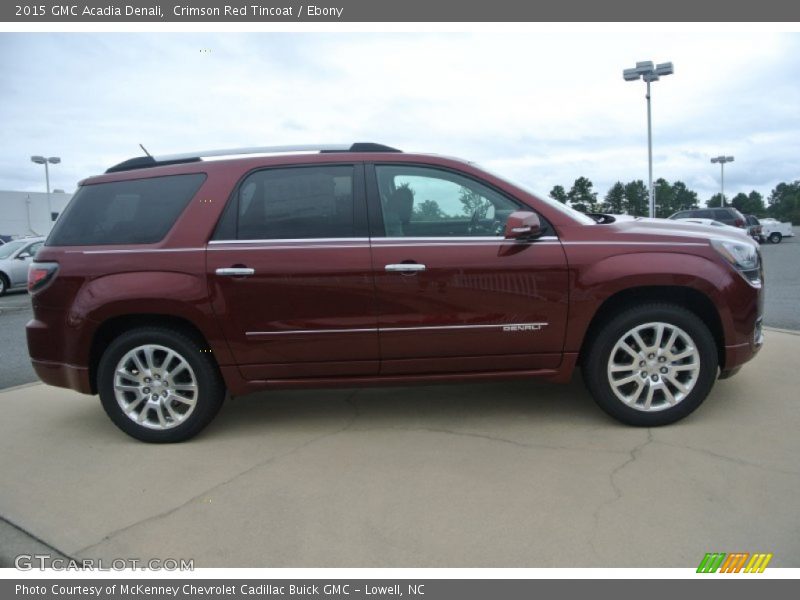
(139, 211)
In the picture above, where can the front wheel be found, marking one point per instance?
(158, 385)
(651, 365)
(775, 237)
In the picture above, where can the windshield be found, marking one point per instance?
(567, 210)
(6, 250)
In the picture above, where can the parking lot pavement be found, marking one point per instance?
(15, 366)
(503, 474)
(782, 288)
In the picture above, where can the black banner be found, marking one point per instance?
(145, 11)
(732, 588)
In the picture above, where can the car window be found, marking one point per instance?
(720, 214)
(292, 203)
(33, 248)
(138, 211)
(429, 202)
(6, 250)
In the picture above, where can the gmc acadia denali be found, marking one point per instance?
(169, 280)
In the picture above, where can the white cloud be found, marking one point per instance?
(542, 108)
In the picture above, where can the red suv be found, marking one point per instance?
(169, 280)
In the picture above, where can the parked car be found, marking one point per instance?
(727, 215)
(169, 280)
(774, 231)
(713, 223)
(754, 229)
(15, 256)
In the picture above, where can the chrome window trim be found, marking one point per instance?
(378, 240)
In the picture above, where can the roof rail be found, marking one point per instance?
(142, 162)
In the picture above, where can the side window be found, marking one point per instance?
(722, 215)
(138, 211)
(295, 203)
(704, 214)
(33, 249)
(428, 202)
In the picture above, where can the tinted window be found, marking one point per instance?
(681, 215)
(294, 203)
(426, 202)
(140, 211)
(720, 214)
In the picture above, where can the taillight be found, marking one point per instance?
(739, 223)
(40, 274)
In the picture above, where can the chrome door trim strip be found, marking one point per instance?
(506, 327)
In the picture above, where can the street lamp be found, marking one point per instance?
(722, 160)
(41, 160)
(649, 73)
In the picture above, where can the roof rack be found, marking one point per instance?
(143, 162)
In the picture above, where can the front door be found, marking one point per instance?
(453, 294)
(290, 274)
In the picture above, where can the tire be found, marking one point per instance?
(172, 388)
(3, 284)
(691, 362)
(775, 237)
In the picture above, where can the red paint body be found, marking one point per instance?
(395, 327)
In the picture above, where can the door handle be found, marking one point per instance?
(235, 271)
(405, 268)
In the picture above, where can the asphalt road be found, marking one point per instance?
(15, 368)
(781, 265)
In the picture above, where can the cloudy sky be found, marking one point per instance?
(539, 108)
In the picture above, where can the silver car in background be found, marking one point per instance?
(15, 256)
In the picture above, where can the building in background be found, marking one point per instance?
(25, 213)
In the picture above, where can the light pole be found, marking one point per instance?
(722, 160)
(41, 160)
(649, 73)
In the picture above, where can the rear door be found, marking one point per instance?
(453, 294)
(290, 274)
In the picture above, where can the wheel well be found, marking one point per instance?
(4, 277)
(688, 298)
(112, 328)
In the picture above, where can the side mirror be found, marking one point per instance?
(23, 255)
(523, 225)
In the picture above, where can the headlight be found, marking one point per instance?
(743, 256)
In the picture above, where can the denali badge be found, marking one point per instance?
(525, 327)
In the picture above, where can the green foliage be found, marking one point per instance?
(749, 204)
(428, 210)
(784, 202)
(632, 198)
(581, 195)
(558, 193)
(615, 199)
(473, 203)
(636, 198)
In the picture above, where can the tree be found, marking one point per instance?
(636, 198)
(665, 198)
(581, 195)
(558, 193)
(749, 204)
(428, 211)
(784, 202)
(615, 199)
(474, 203)
(714, 201)
(683, 197)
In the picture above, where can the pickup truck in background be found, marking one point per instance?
(774, 231)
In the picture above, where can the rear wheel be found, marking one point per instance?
(651, 365)
(775, 237)
(157, 385)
